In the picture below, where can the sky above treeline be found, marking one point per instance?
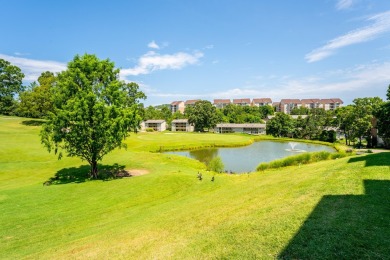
(210, 49)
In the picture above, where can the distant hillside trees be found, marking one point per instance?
(383, 117)
(10, 86)
(37, 100)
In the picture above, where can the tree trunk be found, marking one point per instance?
(94, 169)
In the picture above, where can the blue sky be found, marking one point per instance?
(206, 49)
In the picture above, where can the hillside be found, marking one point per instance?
(332, 209)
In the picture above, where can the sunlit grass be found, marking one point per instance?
(169, 213)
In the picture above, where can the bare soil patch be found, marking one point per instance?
(135, 172)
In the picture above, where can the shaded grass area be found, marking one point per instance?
(170, 214)
(346, 227)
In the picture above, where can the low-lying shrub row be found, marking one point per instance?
(303, 158)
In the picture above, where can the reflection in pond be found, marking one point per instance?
(246, 158)
(204, 155)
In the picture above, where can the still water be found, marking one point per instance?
(246, 158)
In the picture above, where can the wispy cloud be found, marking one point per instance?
(153, 45)
(153, 61)
(21, 54)
(344, 4)
(31, 68)
(363, 80)
(381, 25)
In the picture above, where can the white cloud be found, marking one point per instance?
(208, 47)
(361, 81)
(32, 69)
(153, 61)
(344, 4)
(381, 25)
(153, 45)
(21, 54)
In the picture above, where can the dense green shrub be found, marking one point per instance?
(149, 129)
(216, 165)
(302, 158)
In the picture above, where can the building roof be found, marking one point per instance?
(176, 103)
(254, 125)
(290, 101)
(331, 100)
(275, 104)
(191, 102)
(241, 101)
(156, 121)
(222, 101)
(310, 100)
(337, 100)
(180, 121)
(262, 100)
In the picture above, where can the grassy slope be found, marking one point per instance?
(297, 212)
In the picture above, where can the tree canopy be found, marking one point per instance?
(37, 101)
(10, 84)
(93, 111)
(203, 115)
(280, 126)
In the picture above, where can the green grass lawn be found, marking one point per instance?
(336, 209)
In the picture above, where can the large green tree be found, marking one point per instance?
(281, 125)
(10, 84)
(383, 117)
(363, 113)
(37, 101)
(93, 111)
(203, 115)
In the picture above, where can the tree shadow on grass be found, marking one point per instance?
(346, 227)
(82, 174)
(377, 159)
(33, 122)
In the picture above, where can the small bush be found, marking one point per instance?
(262, 166)
(369, 151)
(216, 164)
(320, 156)
(149, 129)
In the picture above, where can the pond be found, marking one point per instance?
(247, 158)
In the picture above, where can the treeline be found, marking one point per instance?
(357, 121)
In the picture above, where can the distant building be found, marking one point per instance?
(177, 106)
(311, 103)
(221, 103)
(240, 128)
(190, 102)
(331, 103)
(258, 102)
(276, 106)
(181, 125)
(287, 105)
(156, 125)
(242, 101)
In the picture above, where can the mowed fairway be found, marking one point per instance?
(328, 210)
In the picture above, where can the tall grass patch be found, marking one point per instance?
(303, 158)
